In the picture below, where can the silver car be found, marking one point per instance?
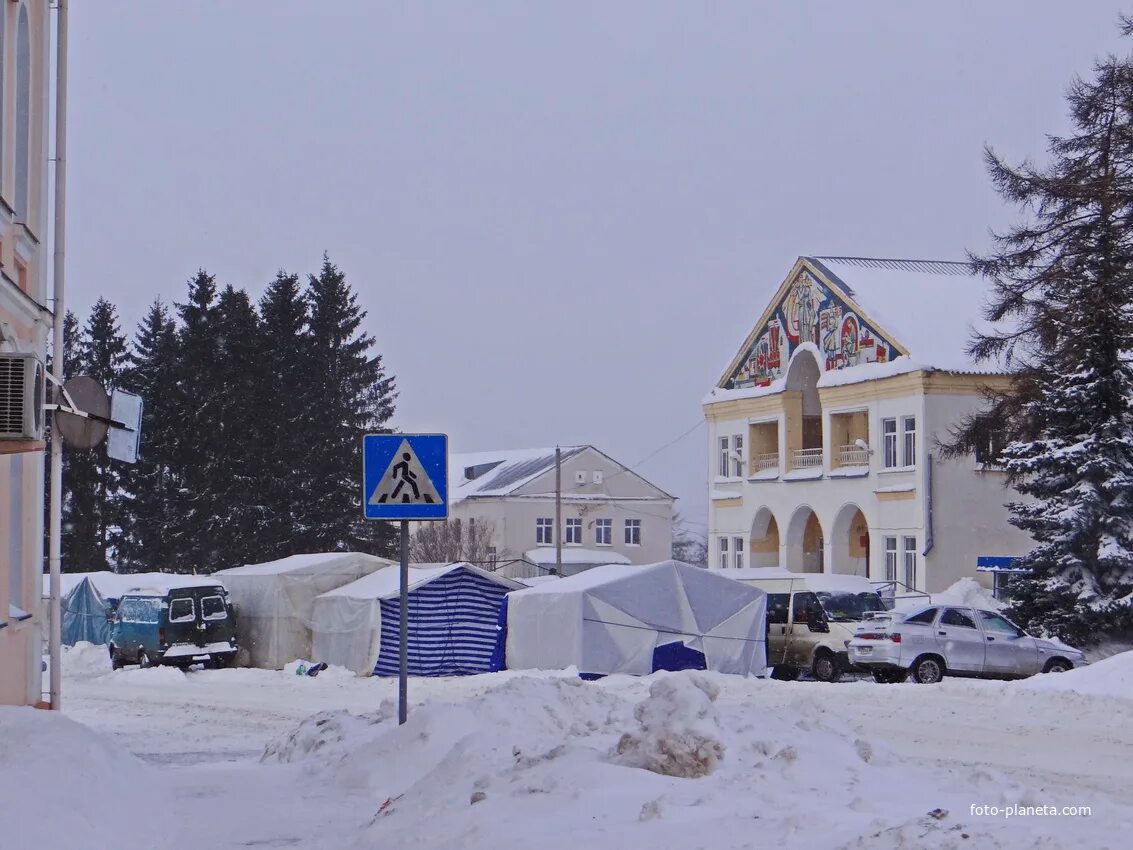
(939, 640)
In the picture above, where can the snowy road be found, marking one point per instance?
(944, 747)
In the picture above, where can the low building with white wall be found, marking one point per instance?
(610, 514)
(825, 430)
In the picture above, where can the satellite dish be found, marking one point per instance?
(89, 396)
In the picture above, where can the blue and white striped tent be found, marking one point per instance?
(453, 612)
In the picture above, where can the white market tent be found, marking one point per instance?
(274, 601)
(453, 620)
(638, 619)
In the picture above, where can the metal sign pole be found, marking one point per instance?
(403, 670)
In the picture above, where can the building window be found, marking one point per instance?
(889, 442)
(723, 553)
(891, 559)
(990, 446)
(603, 532)
(724, 466)
(544, 531)
(633, 532)
(574, 531)
(738, 552)
(909, 444)
(909, 556)
(737, 455)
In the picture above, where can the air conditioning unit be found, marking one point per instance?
(21, 397)
(580, 478)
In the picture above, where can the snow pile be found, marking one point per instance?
(967, 592)
(679, 734)
(559, 763)
(85, 660)
(1112, 677)
(62, 785)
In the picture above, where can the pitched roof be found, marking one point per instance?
(931, 307)
(499, 473)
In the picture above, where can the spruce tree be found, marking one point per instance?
(195, 405)
(237, 522)
(152, 485)
(92, 481)
(1063, 287)
(349, 395)
(285, 426)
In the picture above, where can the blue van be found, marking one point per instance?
(188, 622)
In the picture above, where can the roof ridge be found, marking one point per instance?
(956, 267)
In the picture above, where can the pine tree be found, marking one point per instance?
(350, 395)
(285, 426)
(1063, 284)
(195, 405)
(152, 485)
(92, 481)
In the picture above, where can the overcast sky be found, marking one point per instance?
(564, 218)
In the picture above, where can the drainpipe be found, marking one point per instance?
(55, 523)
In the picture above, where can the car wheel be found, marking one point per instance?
(1058, 665)
(784, 673)
(927, 670)
(143, 659)
(825, 668)
(115, 659)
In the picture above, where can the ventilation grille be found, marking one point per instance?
(21, 397)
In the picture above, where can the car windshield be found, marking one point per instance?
(842, 606)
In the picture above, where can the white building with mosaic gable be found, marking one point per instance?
(824, 430)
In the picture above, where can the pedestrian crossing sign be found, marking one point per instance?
(405, 476)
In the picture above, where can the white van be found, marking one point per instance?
(811, 618)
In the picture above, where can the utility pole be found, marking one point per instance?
(558, 511)
(55, 522)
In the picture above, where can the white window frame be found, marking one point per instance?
(909, 440)
(724, 465)
(723, 552)
(603, 528)
(223, 615)
(632, 531)
(889, 442)
(192, 609)
(909, 561)
(891, 559)
(738, 459)
(738, 552)
(572, 531)
(545, 531)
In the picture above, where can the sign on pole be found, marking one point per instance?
(404, 477)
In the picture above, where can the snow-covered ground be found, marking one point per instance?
(252, 758)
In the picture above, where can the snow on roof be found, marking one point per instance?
(820, 582)
(386, 583)
(113, 585)
(545, 555)
(931, 307)
(501, 472)
(298, 563)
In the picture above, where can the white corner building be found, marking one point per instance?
(824, 431)
(610, 514)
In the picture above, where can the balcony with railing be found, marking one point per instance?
(806, 458)
(766, 461)
(853, 455)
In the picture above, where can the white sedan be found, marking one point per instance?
(939, 640)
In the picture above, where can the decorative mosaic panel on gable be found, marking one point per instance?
(809, 312)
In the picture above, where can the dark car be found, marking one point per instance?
(190, 623)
